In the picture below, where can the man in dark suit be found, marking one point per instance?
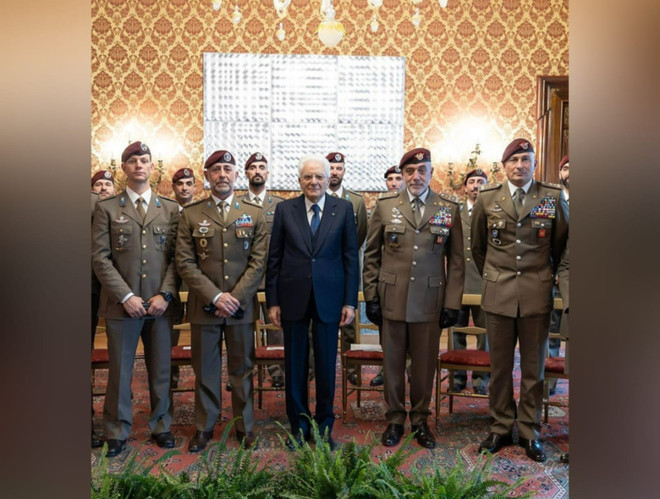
(472, 184)
(220, 254)
(133, 238)
(312, 275)
(519, 231)
(413, 286)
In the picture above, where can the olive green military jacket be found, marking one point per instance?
(213, 256)
(472, 274)
(414, 271)
(360, 211)
(129, 255)
(517, 255)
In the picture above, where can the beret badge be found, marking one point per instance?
(227, 156)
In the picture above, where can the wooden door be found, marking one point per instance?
(552, 119)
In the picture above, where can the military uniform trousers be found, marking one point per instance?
(503, 333)
(123, 335)
(421, 340)
(206, 342)
(479, 378)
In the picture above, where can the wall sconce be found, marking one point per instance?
(416, 18)
(236, 17)
(280, 32)
(443, 3)
(330, 30)
(471, 165)
(217, 4)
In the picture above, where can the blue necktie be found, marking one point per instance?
(316, 220)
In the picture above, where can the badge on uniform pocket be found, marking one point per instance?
(541, 233)
(393, 240)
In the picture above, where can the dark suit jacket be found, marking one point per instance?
(297, 266)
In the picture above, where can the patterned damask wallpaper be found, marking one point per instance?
(471, 69)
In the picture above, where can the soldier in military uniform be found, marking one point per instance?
(472, 184)
(519, 231)
(256, 171)
(133, 239)
(183, 185)
(394, 180)
(413, 237)
(337, 170)
(103, 184)
(221, 255)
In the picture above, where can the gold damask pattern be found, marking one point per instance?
(476, 56)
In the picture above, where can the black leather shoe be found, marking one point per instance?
(199, 441)
(352, 378)
(228, 386)
(495, 442)
(247, 439)
(552, 391)
(97, 441)
(294, 444)
(533, 449)
(480, 390)
(564, 458)
(377, 380)
(392, 435)
(115, 447)
(278, 382)
(164, 440)
(423, 435)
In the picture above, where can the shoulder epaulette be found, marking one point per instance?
(389, 195)
(449, 197)
(550, 185)
(107, 199)
(163, 198)
(490, 187)
(353, 192)
(195, 203)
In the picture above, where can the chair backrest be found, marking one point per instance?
(470, 330)
(261, 326)
(359, 324)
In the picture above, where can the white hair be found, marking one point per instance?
(317, 158)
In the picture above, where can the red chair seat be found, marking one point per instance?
(100, 355)
(265, 353)
(555, 364)
(469, 357)
(363, 355)
(181, 352)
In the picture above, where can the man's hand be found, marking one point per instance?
(448, 317)
(274, 315)
(134, 308)
(347, 315)
(374, 313)
(158, 305)
(226, 305)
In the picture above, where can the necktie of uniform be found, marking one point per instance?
(520, 200)
(417, 212)
(140, 208)
(257, 200)
(316, 219)
(222, 206)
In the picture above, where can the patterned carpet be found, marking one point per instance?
(457, 434)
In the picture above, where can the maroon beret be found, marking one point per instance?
(563, 161)
(102, 174)
(415, 156)
(182, 173)
(257, 156)
(477, 172)
(138, 148)
(336, 157)
(516, 146)
(220, 157)
(392, 169)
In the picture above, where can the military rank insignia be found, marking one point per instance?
(545, 209)
(442, 217)
(393, 240)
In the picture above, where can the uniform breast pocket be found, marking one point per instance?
(160, 232)
(122, 237)
(202, 236)
(394, 237)
(439, 235)
(245, 236)
(496, 227)
(543, 228)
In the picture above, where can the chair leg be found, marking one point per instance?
(546, 400)
(438, 381)
(260, 384)
(344, 386)
(358, 369)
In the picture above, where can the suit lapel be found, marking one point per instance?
(152, 210)
(300, 217)
(465, 215)
(127, 208)
(531, 200)
(505, 202)
(405, 208)
(430, 207)
(211, 211)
